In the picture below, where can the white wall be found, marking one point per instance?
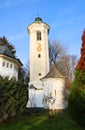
(38, 65)
(54, 88)
(35, 98)
(8, 71)
(51, 96)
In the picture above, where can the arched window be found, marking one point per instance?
(38, 35)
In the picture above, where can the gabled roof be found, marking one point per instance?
(53, 73)
(5, 51)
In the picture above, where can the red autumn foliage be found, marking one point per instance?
(81, 63)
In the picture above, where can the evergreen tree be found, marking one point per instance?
(13, 97)
(76, 100)
(5, 42)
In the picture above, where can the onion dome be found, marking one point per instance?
(38, 19)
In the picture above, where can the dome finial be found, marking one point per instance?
(38, 19)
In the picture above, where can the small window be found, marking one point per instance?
(55, 93)
(38, 35)
(7, 65)
(3, 64)
(10, 65)
(39, 74)
(39, 55)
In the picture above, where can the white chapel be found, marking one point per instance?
(46, 87)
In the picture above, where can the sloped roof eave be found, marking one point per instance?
(53, 73)
(13, 58)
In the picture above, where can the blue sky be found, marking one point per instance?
(65, 17)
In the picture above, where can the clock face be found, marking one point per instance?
(39, 48)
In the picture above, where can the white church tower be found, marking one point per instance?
(46, 87)
(39, 54)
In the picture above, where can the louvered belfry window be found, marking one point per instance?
(38, 35)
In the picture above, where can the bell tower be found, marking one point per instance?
(39, 50)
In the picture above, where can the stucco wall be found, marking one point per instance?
(54, 89)
(35, 98)
(51, 96)
(10, 71)
(38, 65)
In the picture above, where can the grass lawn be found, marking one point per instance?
(60, 121)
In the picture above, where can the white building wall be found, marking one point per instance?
(35, 98)
(54, 89)
(31, 98)
(8, 71)
(51, 96)
(38, 98)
